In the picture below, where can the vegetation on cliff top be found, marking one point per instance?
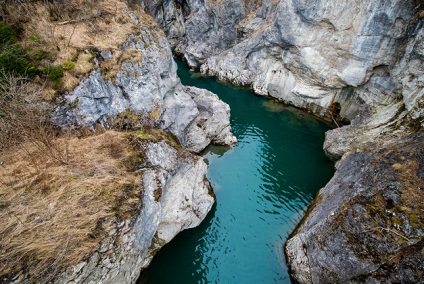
(58, 42)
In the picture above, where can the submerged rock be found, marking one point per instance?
(176, 195)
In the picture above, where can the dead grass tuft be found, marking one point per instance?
(21, 110)
(53, 212)
(111, 67)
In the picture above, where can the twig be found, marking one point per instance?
(73, 30)
(392, 231)
(334, 119)
(14, 215)
(59, 258)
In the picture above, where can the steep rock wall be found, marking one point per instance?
(366, 224)
(310, 54)
(370, 212)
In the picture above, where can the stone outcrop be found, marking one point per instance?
(367, 224)
(146, 89)
(176, 195)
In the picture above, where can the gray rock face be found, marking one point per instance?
(359, 228)
(175, 192)
(355, 231)
(175, 196)
(149, 88)
(306, 53)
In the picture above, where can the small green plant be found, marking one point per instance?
(38, 55)
(15, 63)
(53, 72)
(58, 83)
(61, 37)
(14, 59)
(68, 65)
(414, 221)
(142, 134)
(7, 34)
(74, 104)
(35, 37)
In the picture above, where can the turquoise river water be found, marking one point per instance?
(263, 186)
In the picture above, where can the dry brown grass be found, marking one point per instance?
(60, 196)
(54, 211)
(111, 67)
(21, 110)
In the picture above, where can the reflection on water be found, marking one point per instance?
(273, 106)
(263, 185)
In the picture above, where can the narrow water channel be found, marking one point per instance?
(263, 186)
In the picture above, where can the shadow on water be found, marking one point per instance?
(263, 186)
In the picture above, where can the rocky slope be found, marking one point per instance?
(351, 61)
(175, 195)
(100, 215)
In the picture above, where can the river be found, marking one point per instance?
(263, 186)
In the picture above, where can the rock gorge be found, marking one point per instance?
(350, 62)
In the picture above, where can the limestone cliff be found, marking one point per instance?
(311, 54)
(355, 62)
